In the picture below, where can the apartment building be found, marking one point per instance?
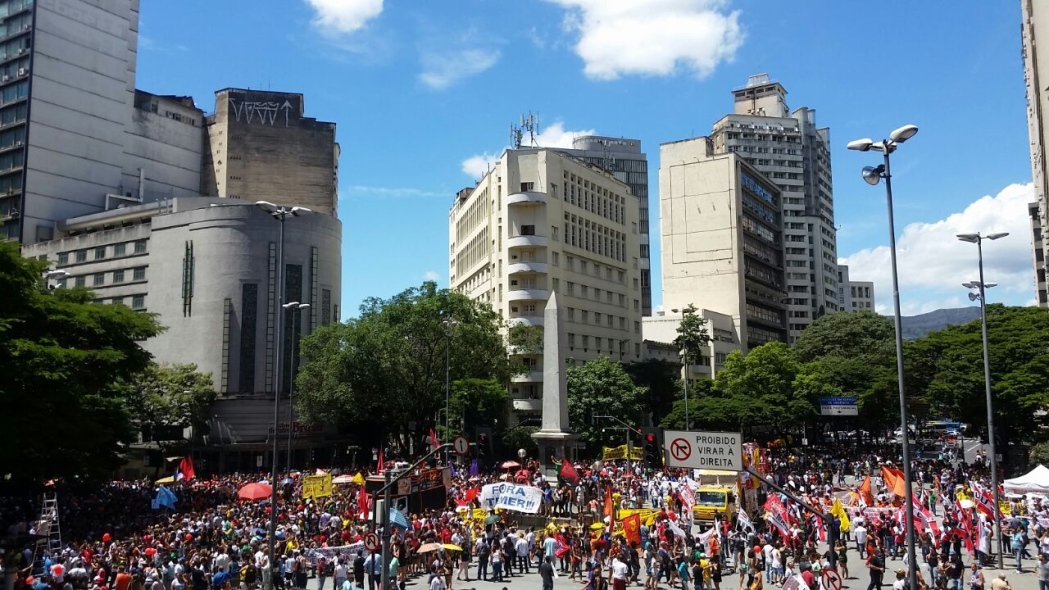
(542, 221)
(722, 239)
(1034, 29)
(623, 158)
(791, 151)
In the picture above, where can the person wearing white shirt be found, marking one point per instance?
(860, 532)
(340, 573)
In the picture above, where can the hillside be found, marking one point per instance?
(916, 326)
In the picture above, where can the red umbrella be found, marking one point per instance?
(255, 491)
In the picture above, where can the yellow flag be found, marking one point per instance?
(839, 511)
(358, 479)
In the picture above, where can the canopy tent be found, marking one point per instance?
(1036, 480)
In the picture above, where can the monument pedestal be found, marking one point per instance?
(553, 445)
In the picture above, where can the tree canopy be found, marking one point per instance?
(66, 360)
(376, 373)
(165, 399)
(601, 387)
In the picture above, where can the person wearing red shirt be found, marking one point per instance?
(123, 580)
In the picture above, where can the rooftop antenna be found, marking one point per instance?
(529, 123)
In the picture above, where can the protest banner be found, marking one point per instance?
(316, 486)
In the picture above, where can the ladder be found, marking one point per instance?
(48, 531)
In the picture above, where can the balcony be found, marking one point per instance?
(527, 320)
(529, 377)
(527, 197)
(528, 295)
(525, 241)
(519, 267)
(528, 405)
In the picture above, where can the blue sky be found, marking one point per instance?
(419, 87)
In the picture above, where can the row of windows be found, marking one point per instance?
(12, 6)
(599, 319)
(121, 249)
(613, 344)
(14, 47)
(584, 267)
(98, 279)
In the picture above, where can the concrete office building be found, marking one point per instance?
(854, 295)
(624, 159)
(722, 239)
(541, 221)
(261, 146)
(1035, 39)
(67, 86)
(790, 150)
(209, 272)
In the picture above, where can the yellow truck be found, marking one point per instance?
(714, 499)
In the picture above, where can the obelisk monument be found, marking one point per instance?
(554, 437)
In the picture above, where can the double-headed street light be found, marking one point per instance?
(295, 320)
(872, 175)
(981, 293)
(280, 213)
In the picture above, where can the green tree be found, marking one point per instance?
(477, 402)
(527, 339)
(662, 379)
(692, 336)
(168, 398)
(760, 388)
(65, 360)
(379, 372)
(951, 371)
(601, 387)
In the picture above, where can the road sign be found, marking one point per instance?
(704, 450)
(461, 445)
(371, 542)
(831, 580)
(839, 406)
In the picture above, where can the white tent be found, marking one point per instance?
(1036, 480)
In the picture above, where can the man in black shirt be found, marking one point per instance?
(358, 570)
(546, 571)
(876, 564)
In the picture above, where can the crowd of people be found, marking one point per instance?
(116, 538)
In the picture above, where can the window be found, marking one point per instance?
(80, 281)
(138, 302)
(527, 230)
(63, 258)
(555, 258)
(117, 301)
(119, 249)
(100, 253)
(118, 276)
(140, 246)
(527, 186)
(81, 255)
(584, 316)
(139, 274)
(99, 279)
(571, 341)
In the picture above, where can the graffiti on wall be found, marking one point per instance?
(264, 113)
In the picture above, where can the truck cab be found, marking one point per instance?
(713, 499)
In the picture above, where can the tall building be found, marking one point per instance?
(261, 144)
(844, 295)
(541, 221)
(624, 159)
(790, 150)
(67, 87)
(854, 295)
(1035, 29)
(722, 239)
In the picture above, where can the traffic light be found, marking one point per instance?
(652, 439)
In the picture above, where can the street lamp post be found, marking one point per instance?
(449, 326)
(688, 368)
(280, 213)
(872, 175)
(296, 320)
(981, 294)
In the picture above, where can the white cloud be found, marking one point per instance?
(441, 70)
(344, 16)
(933, 263)
(554, 136)
(431, 275)
(652, 37)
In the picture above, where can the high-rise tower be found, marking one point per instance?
(791, 151)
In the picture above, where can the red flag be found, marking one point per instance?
(865, 491)
(382, 465)
(185, 468)
(632, 528)
(362, 503)
(610, 510)
(433, 440)
(568, 472)
(471, 494)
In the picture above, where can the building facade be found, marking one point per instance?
(722, 239)
(790, 150)
(1035, 38)
(854, 295)
(260, 146)
(67, 87)
(660, 331)
(208, 269)
(624, 159)
(540, 221)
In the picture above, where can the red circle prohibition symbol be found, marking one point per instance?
(832, 580)
(680, 449)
